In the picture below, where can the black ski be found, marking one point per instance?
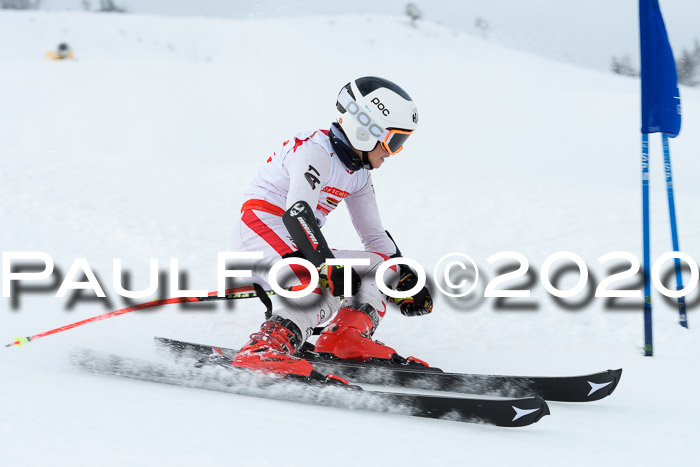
(221, 377)
(411, 374)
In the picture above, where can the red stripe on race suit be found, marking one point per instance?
(262, 205)
(298, 142)
(385, 257)
(254, 223)
(335, 191)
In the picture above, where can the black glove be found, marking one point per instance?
(333, 279)
(420, 303)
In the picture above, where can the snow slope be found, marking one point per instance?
(142, 147)
(585, 35)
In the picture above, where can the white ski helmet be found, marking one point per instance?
(372, 110)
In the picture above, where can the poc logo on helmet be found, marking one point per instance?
(364, 119)
(381, 107)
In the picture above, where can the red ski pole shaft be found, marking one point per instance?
(231, 294)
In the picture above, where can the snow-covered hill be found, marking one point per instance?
(143, 145)
(585, 35)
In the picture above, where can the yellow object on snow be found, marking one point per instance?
(56, 56)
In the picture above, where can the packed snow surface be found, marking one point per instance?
(142, 148)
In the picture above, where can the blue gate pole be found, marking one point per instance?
(648, 340)
(682, 315)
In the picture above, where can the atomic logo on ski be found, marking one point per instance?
(519, 413)
(597, 386)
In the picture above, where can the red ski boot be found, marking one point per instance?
(348, 336)
(270, 350)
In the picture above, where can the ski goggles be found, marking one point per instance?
(394, 139)
(390, 139)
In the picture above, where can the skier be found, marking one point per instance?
(63, 51)
(323, 168)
